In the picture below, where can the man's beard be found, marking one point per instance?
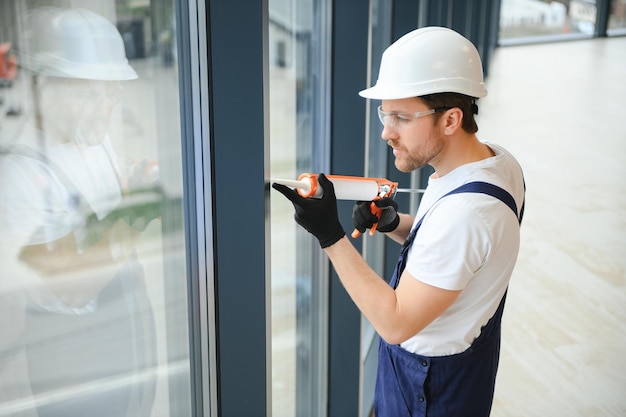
(420, 157)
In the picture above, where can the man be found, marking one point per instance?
(440, 319)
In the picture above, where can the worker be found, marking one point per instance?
(440, 318)
(81, 340)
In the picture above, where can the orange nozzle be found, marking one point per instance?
(313, 185)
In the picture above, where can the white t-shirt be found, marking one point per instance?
(467, 242)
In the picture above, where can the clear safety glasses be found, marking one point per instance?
(397, 120)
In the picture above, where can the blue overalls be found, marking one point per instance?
(463, 384)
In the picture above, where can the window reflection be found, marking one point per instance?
(90, 224)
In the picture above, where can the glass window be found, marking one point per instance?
(537, 19)
(298, 57)
(376, 167)
(93, 291)
(617, 17)
(377, 149)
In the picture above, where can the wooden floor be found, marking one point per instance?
(561, 109)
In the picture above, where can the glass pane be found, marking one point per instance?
(377, 149)
(375, 166)
(537, 19)
(93, 283)
(617, 17)
(297, 73)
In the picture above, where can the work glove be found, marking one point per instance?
(363, 218)
(318, 216)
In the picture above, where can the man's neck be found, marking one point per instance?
(462, 150)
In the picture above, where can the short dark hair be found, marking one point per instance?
(467, 105)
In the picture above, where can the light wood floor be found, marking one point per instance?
(561, 109)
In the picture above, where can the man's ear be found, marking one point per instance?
(452, 120)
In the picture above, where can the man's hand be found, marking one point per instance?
(363, 218)
(318, 216)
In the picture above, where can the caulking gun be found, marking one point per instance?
(349, 188)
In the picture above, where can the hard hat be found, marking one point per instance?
(75, 43)
(427, 61)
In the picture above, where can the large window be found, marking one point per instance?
(93, 288)
(540, 19)
(524, 21)
(617, 17)
(375, 166)
(298, 57)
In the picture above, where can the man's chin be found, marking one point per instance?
(406, 168)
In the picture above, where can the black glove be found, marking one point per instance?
(363, 218)
(318, 216)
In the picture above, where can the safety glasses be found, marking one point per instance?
(396, 120)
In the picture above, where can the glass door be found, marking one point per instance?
(93, 288)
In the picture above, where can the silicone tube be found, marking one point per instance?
(346, 188)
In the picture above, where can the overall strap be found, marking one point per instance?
(489, 189)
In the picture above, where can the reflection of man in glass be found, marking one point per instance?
(80, 337)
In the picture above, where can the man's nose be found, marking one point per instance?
(388, 132)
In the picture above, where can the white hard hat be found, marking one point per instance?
(427, 61)
(75, 43)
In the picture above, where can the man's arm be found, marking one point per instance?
(404, 228)
(397, 314)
